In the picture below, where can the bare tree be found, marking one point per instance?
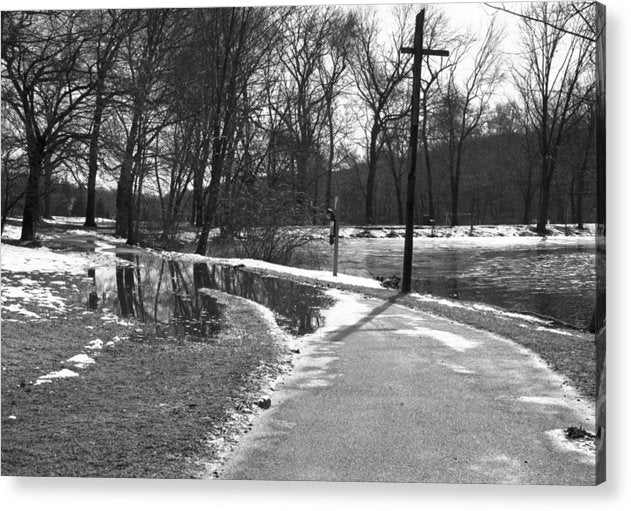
(379, 68)
(465, 101)
(436, 34)
(397, 145)
(238, 41)
(145, 50)
(13, 162)
(333, 71)
(47, 81)
(108, 27)
(554, 81)
(313, 58)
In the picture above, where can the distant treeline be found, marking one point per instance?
(254, 116)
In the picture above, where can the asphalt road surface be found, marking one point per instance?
(386, 393)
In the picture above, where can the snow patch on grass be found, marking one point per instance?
(43, 260)
(63, 373)
(16, 307)
(81, 361)
(115, 340)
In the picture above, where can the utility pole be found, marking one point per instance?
(418, 51)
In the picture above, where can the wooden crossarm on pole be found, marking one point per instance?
(418, 51)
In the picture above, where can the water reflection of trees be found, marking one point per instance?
(175, 295)
(297, 305)
(174, 307)
(129, 289)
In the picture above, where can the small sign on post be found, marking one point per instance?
(334, 233)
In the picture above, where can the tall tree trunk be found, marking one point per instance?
(198, 182)
(527, 205)
(397, 184)
(454, 201)
(528, 192)
(125, 190)
(212, 196)
(454, 184)
(316, 197)
(329, 166)
(455, 181)
(428, 167)
(580, 191)
(372, 174)
(544, 197)
(303, 168)
(30, 214)
(48, 187)
(136, 190)
(580, 184)
(93, 156)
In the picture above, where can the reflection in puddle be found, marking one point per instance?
(175, 297)
(297, 306)
(159, 292)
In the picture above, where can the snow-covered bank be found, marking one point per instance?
(478, 231)
(256, 264)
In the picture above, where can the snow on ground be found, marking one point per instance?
(584, 449)
(319, 275)
(483, 308)
(81, 361)
(18, 292)
(79, 221)
(43, 260)
(16, 307)
(63, 373)
(27, 293)
(442, 231)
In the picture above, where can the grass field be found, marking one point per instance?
(149, 407)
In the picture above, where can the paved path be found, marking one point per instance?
(386, 393)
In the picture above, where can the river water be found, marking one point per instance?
(553, 277)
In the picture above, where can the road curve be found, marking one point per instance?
(387, 393)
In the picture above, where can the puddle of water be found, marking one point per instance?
(173, 296)
(297, 306)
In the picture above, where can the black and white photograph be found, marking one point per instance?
(305, 242)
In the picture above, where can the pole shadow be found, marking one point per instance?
(339, 335)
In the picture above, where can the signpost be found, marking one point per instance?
(418, 51)
(334, 233)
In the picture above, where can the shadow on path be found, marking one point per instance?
(342, 334)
